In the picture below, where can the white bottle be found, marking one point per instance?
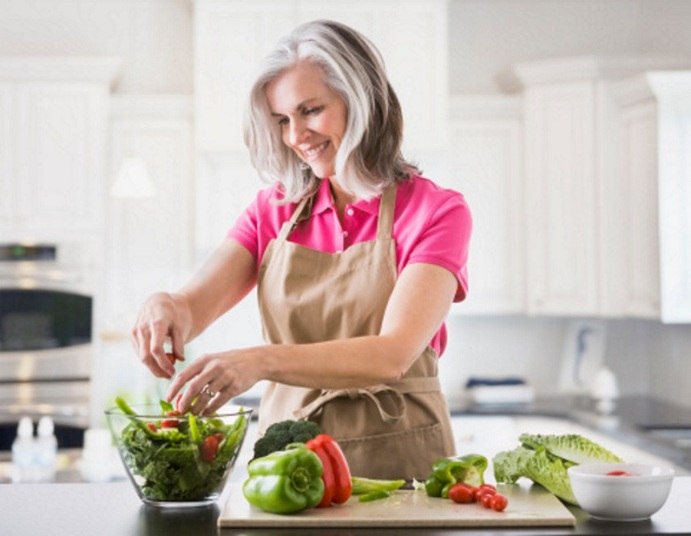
(23, 452)
(46, 449)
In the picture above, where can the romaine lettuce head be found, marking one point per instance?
(544, 459)
(550, 472)
(510, 465)
(572, 447)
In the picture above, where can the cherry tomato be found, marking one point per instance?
(151, 426)
(498, 502)
(619, 472)
(169, 423)
(487, 488)
(172, 357)
(177, 403)
(486, 499)
(209, 448)
(462, 493)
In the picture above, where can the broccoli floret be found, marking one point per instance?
(282, 433)
(303, 431)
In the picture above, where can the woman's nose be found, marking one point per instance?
(296, 132)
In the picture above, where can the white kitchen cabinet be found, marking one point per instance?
(6, 155)
(655, 184)
(149, 240)
(53, 138)
(576, 244)
(231, 37)
(486, 166)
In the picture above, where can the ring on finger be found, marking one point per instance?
(208, 391)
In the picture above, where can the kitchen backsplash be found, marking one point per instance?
(647, 358)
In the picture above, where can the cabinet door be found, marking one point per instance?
(673, 93)
(150, 239)
(7, 180)
(561, 204)
(412, 38)
(641, 274)
(486, 168)
(59, 155)
(230, 38)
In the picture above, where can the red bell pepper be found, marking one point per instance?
(338, 485)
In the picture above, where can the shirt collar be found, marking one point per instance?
(323, 201)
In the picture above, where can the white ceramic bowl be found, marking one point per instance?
(631, 497)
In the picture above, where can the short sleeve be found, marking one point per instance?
(246, 229)
(445, 240)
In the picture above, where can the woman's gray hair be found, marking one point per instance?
(369, 157)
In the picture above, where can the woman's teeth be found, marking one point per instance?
(311, 154)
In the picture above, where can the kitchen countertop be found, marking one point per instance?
(71, 507)
(113, 509)
(631, 421)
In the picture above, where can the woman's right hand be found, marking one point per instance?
(159, 320)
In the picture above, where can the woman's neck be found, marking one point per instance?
(340, 197)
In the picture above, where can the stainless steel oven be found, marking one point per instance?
(46, 339)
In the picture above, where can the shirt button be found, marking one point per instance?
(350, 212)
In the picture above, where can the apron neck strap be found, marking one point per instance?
(289, 225)
(386, 212)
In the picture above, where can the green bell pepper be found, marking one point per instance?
(285, 481)
(448, 471)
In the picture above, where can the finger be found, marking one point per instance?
(218, 402)
(195, 395)
(157, 350)
(205, 394)
(195, 368)
(139, 338)
(178, 344)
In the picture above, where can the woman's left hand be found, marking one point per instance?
(212, 380)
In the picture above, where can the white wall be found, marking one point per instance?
(154, 38)
(487, 36)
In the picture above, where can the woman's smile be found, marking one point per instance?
(313, 153)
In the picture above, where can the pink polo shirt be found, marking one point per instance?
(431, 225)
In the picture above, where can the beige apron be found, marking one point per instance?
(386, 431)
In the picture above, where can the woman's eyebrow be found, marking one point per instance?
(299, 107)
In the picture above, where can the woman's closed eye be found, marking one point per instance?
(312, 111)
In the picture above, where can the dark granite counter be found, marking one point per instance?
(113, 509)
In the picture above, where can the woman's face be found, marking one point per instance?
(312, 117)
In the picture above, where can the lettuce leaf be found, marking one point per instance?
(544, 459)
(572, 447)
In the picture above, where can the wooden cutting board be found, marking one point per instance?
(528, 506)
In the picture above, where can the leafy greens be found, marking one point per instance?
(544, 459)
(167, 464)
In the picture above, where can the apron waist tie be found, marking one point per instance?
(396, 389)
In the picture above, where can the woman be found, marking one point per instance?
(356, 258)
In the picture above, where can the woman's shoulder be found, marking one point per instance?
(269, 202)
(421, 191)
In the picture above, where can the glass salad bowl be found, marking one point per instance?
(177, 460)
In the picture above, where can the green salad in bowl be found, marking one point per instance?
(174, 459)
